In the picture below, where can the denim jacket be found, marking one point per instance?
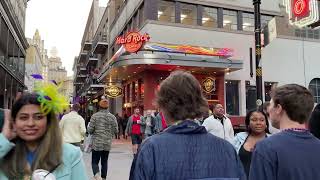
(240, 139)
(72, 168)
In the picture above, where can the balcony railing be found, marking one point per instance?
(100, 44)
(92, 60)
(91, 84)
(83, 57)
(14, 66)
(87, 46)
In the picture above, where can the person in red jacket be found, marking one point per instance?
(135, 129)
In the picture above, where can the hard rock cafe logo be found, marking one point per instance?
(302, 13)
(113, 91)
(209, 85)
(133, 41)
(300, 7)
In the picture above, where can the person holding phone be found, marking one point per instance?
(135, 129)
(31, 142)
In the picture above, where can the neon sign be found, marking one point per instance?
(133, 41)
(187, 49)
(300, 8)
(302, 13)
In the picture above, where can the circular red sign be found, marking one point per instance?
(134, 42)
(300, 7)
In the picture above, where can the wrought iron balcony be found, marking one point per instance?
(92, 61)
(81, 69)
(92, 85)
(87, 46)
(100, 45)
(83, 57)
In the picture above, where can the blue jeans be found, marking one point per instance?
(96, 156)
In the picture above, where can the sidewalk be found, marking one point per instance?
(120, 159)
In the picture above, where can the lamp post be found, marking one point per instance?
(257, 30)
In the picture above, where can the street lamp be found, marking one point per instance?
(257, 30)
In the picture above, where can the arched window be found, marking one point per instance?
(314, 87)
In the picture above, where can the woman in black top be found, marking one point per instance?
(257, 129)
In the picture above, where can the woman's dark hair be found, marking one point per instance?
(181, 98)
(314, 122)
(247, 120)
(25, 99)
(29, 98)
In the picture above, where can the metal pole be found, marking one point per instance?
(257, 24)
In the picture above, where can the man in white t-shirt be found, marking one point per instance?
(219, 125)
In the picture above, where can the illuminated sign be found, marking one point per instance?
(187, 49)
(209, 85)
(133, 41)
(113, 91)
(300, 8)
(302, 13)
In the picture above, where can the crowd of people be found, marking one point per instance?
(182, 141)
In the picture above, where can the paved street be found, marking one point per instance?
(120, 159)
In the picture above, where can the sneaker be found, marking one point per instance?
(97, 176)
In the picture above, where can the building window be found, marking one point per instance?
(314, 87)
(248, 22)
(265, 20)
(141, 16)
(300, 33)
(316, 34)
(268, 87)
(141, 89)
(188, 14)
(134, 22)
(135, 91)
(166, 11)
(128, 91)
(307, 33)
(210, 17)
(232, 97)
(251, 96)
(230, 21)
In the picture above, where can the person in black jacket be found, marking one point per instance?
(124, 123)
(314, 122)
(185, 150)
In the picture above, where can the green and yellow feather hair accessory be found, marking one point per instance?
(51, 100)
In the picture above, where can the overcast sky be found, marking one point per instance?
(61, 24)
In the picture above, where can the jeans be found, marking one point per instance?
(96, 156)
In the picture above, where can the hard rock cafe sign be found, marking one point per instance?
(133, 41)
(113, 91)
(209, 85)
(302, 13)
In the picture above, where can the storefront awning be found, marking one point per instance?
(168, 61)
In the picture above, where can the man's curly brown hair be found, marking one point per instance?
(181, 98)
